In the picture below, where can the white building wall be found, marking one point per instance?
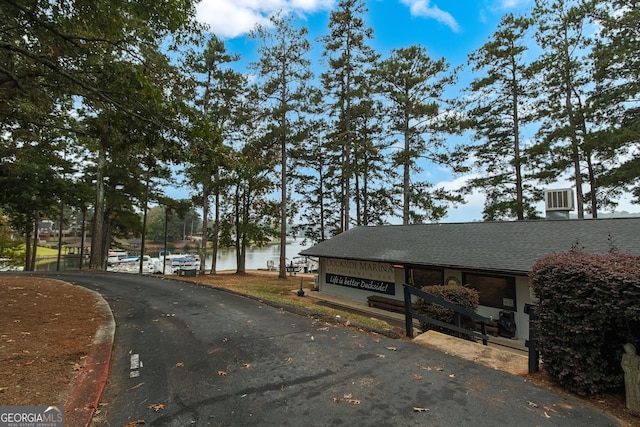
(359, 279)
(396, 276)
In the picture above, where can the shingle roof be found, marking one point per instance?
(508, 247)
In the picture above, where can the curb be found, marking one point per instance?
(83, 401)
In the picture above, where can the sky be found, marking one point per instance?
(449, 29)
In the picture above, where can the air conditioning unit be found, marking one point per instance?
(559, 200)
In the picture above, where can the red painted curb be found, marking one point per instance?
(83, 401)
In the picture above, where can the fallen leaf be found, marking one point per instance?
(547, 415)
(179, 365)
(134, 423)
(381, 356)
(416, 409)
(354, 401)
(334, 338)
(282, 387)
(452, 376)
(417, 377)
(326, 328)
(348, 396)
(392, 348)
(156, 406)
(550, 409)
(222, 373)
(532, 404)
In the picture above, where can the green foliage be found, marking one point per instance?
(285, 72)
(617, 59)
(500, 102)
(413, 84)
(564, 135)
(349, 57)
(459, 295)
(589, 307)
(10, 249)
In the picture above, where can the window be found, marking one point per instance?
(495, 291)
(420, 277)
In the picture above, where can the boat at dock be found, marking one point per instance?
(174, 263)
(131, 264)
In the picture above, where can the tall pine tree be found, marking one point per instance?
(565, 73)
(285, 72)
(348, 56)
(499, 105)
(617, 76)
(413, 85)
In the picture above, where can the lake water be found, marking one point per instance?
(256, 258)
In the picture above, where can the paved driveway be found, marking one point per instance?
(187, 355)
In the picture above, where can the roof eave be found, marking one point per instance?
(500, 271)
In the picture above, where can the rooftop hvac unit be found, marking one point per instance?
(559, 200)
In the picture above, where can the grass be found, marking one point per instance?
(41, 252)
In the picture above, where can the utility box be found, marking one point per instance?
(507, 324)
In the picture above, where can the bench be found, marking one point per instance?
(292, 270)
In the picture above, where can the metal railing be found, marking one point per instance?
(458, 310)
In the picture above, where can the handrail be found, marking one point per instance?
(410, 315)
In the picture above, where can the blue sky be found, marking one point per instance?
(449, 29)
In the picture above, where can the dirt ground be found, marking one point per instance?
(47, 327)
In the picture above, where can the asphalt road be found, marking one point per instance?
(187, 355)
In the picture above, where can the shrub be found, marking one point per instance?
(588, 307)
(460, 295)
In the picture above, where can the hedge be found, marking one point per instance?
(460, 295)
(589, 307)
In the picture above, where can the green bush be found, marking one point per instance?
(589, 307)
(460, 295)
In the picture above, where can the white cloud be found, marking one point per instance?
(233, 18)
(423, 8)
(512, 4)
(472, 209)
